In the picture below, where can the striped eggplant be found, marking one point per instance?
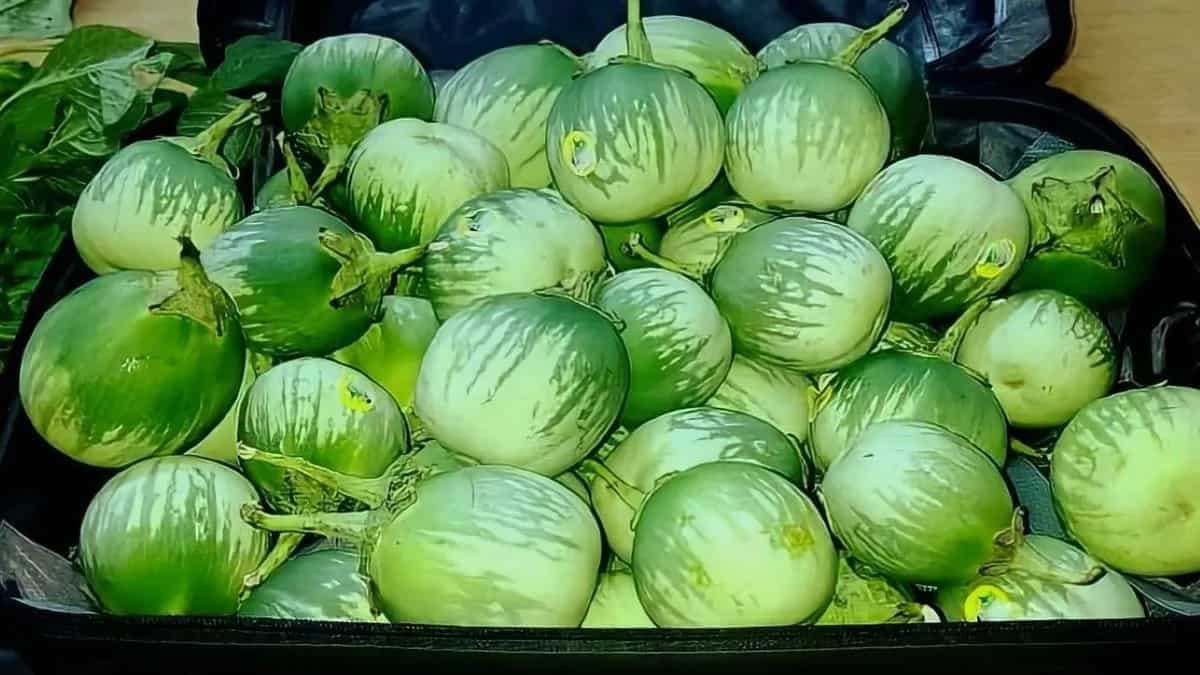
(803, 293)
(1098, 224)
(893, 74)
(717, 59)
(698, 244)
(512, 241)
(340, 87)
(330, 414)
(163, 537)
(633, 139)
(390, 352)
(617, 241)
(727, 544)
(615, 603)
(916, 502)
(325, 413)
(407, 176)
(322, 585)
(505, 96)
(901, 385)
(542, 379)
(1124, 475)
(480, 546)
(1019, 596)
(133, 364)
(1044, 353)
(305, 284)
(679, 346)
(680, 440)
(770, 393)
(863, 597)
(950, 232)
(809, 135)
(133, 211)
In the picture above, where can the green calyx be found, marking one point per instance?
(197, 298)
(337, 126)
(637, 42)
(302, 193)
(1088, 217)
(365, 274)
(207, 144)
(1011, 554)
(385, 497)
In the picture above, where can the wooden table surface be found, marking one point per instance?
(1129, 60)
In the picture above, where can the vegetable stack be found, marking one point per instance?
(663, 335)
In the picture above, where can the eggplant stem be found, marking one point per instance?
(635, 247)
(370, 491)
(338, 157)
(1012, 553)
(629, 495)
(1022, 448)
(636, 41)
(207, 144)
(352, 526)
(867, 39)
(298, 183)
(285, 545)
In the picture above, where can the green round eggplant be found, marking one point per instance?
(164, 538)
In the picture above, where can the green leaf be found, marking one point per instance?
(255, 61)
(27, 243)
(27, 19)
(106, 73)
(187, 64)
(208, 105)
(13, 76)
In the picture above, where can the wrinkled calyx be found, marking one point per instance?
(365, 274)
(1011, 553)
(385, 497)
(337, 126)
(1087, 216)
(197, 297)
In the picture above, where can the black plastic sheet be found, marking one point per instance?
(950, 35)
